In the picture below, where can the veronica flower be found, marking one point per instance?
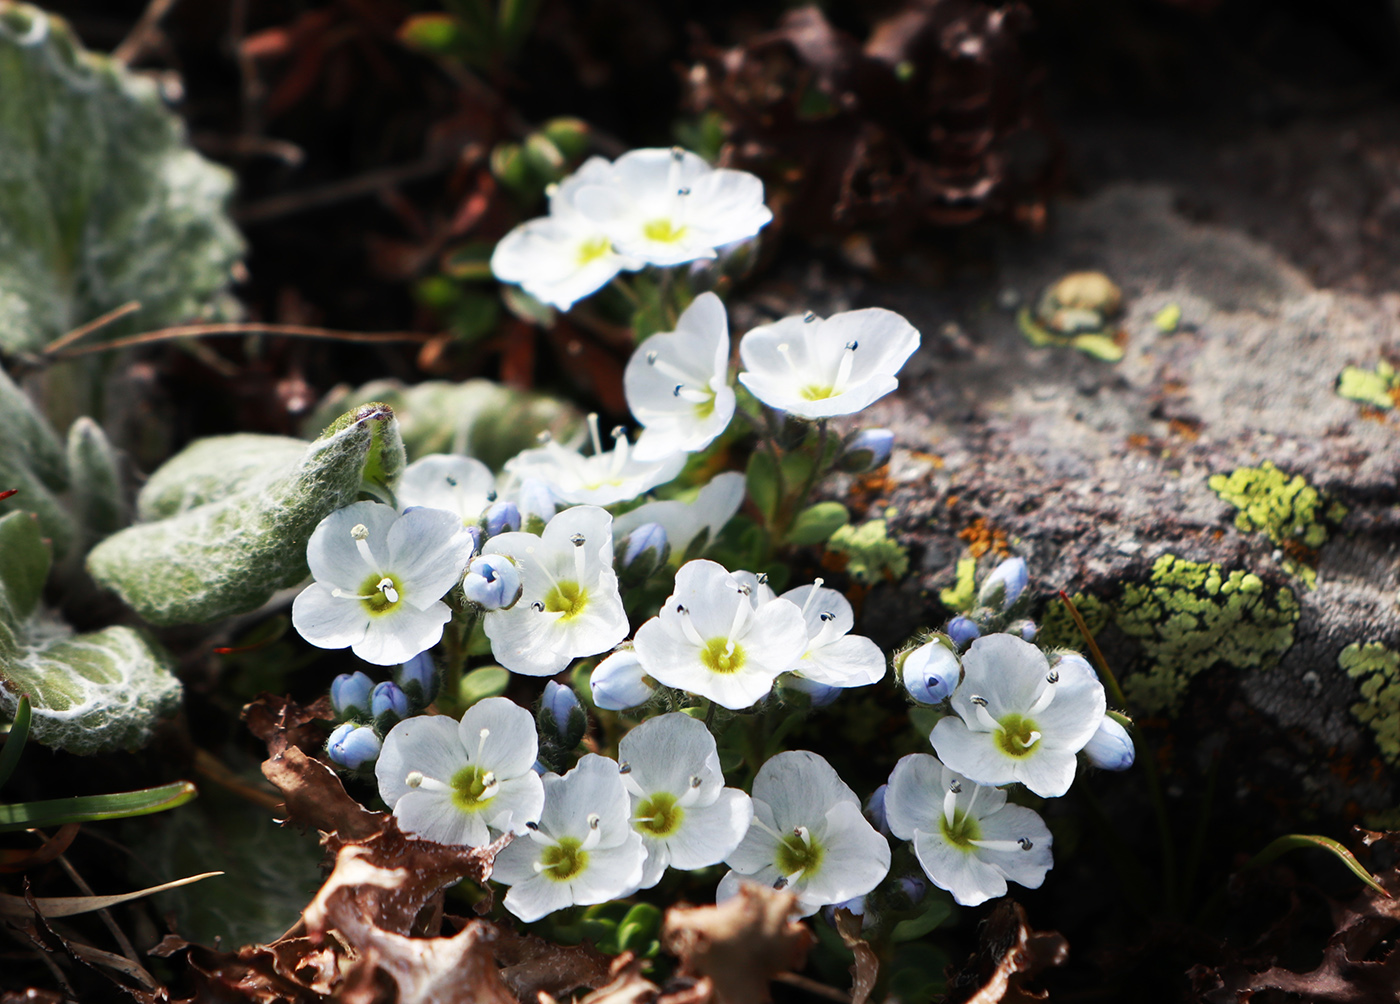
(380, 578)
(605, 477)
(808, 836)
(686, 817)
(667, 207)
(583, 848)
(816, 368)
(931, 672)
(684, 522)
(677, 382)
(619, 682)
(1111, 747)
(569, 602)
(833, 656)
(710, 640)
(1017, 718)
(563, 257)
(967, 838)
(463, 782)
(463, 485)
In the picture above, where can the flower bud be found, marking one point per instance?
(1026, 630)
(492, 582)
(418, 678)
(350, 695)
(931, 672)
(562, 716)
(536, 501)
(867, 450)
(819, 694)
(618, 682)
(353, 746)
(914, 887)
(501, 517)
(963, 630)
(1110, 748)
(875, 809)
(1005, 585)
(645, 551)
(388, 705)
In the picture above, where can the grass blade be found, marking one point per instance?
(14, 742)
(68, 906)
(93, 808)
(1297, 841)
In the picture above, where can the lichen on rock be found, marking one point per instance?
(1378, 669)
(1295, 515)
(869, 550)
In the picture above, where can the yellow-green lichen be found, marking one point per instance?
(1191, 616)
(1378, 388)
(1378, 669)
(1293, 513)
(1057, 628)
(870, 552)
(963, 593)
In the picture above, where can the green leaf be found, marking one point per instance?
(15, 740)
(229, 556)
(939, 909)
(516, 19)
(1302, 841)
(527, 308)
(479, 684)
(24, 570)
(1099, 346)
(437, 34)
(569, 135)
(94, 808)
(871, 553)
(32, 458)
(478, 418)
(816, 523)
(98, 501)
(762, 479)
(102, 201)
(214, 468)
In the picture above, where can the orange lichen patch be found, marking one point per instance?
(856, 593)
(1138, 441)
(1300, 552)
(1174, 387)
(929, 458)
(1120, 338)
(1185, 429)
(1374, 414)
(1395, 395)
(835, 561)
(872, 490)
(981, 538)
(951, 500)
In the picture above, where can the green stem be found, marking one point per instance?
(1198, 839)
(626, 290)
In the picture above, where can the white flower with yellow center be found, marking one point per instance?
(687, 818)
(463, 782)
(602, 478)
(569, 603)
(463, 485)
(563, 257)
(816, 368)
(967, 838)
(677, 382)
(710, 640)
(684, 522)
(808, 836)
(582, 850)
(1019, 719)
(833, 656)
(667, 207)
(380, 578)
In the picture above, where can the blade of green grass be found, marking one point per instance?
(1299, 841)
(93, 808)
(14, 742)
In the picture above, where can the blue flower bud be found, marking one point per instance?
(963, 630)
(418, 678)
(913, 887)
(931, 672)
(618, 682)
(1111, 748)
(492, 582)
(646, 550)
(501, 517)
(1005, 585)
(353, 746)
(867, 450)
(875, 810)
(1026, 630)
(562, 716)
(387, 699)
(350, 695)
(819, 694)
(536, 500)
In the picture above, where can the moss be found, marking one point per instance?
(870, 552)
(1191, 616)
(1293, 513)
(1378, 669)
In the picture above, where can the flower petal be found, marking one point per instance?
(328, 621)
(511, 744)
(332, 554)
(709, 834)
(428, 744)
(395, 637)
(432, 815)
(961, 872)
(975, 755)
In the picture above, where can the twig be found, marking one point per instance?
(134, 45)
(83, 330)
(212, 769)
(249, 328)
(128, 949)
(813, 987)
(338, 191)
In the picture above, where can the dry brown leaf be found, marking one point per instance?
(533, 965)
(281, 722)
(315, 797)
(739, 945)
(866, 967)
(455, 970)
(1008, 954)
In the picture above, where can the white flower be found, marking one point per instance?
(677, 383)
(605, 477)
(816, 368)
(1018, 719)
(669, 206)
(619, 682)
(968, 839)
(463, 485)
(683, 522)
(583, 850)
(563, 257)
(380, 578)
(710, 640)
(463, 782)
(569, 603)
(808, 836)
(686, 817)
(1111, 747)
(833, 655)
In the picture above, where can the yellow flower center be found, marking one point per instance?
(659, 815)
(564, 860)
(717, 656)
(664, 231)
(591, 250)
(567, 598)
